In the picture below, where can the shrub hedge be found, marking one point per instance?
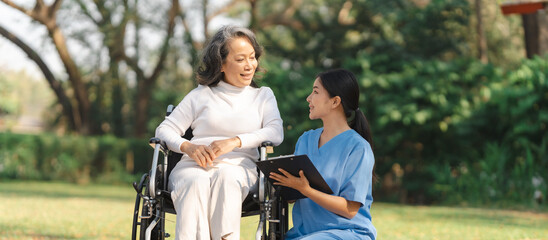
(444, 131)
(72, 158)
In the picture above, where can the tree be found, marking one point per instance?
(118, 63)
(46, 15)
(77, 108)
(54, 84)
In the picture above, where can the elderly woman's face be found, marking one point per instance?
(240, 63)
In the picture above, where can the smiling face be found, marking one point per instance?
(319, 101)
(240, 63)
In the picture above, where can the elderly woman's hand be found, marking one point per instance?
(203, 155)
(221, 147)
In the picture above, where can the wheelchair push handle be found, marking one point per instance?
(269, 146)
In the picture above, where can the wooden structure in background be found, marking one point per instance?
(535, 23)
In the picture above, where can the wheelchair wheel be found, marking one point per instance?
(152, 210)
(146, 213)
(277, 229)
(136, 215)
(155, 234)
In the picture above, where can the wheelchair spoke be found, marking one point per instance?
(163, 218)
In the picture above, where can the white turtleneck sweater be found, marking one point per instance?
(221, 112)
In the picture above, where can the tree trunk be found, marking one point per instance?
(145, 84)
(117, 121)
(481, 41)
(75, 78)
(543, 31)
(530, 27)
(142, 102)
(254, 24)
(206, 22)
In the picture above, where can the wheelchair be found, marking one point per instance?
(153, 200)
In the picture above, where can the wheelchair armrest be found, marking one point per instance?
(267, 147)
(153, 141)
(159, 146)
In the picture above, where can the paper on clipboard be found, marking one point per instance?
(293, 164)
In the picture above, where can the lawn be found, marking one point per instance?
(43, 210)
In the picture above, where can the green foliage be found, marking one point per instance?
(446, 127)
(439, 117)
(392, 32)
(8, 98)
(72, 158)
(22, 97)
(512, 126)
(444, 131)
(450, 123)
(171, 90)
(416, 117)
(437, 30)
(291, 87)
(319, 37)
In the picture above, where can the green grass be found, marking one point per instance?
(42, 210)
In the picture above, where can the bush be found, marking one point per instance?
(456, 131)
(513, 164)
(460, 131)
(72, 158)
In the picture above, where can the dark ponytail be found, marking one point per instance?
(343, 83)
(361, 125)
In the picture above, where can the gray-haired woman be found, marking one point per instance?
(230, 116)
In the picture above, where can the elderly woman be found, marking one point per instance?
(230, 117)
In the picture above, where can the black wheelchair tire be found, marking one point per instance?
(276, 230)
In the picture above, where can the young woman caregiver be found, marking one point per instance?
(341, 151)
(230, 117)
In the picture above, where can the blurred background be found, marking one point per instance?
(456, 91)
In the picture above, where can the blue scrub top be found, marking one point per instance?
(346, 163)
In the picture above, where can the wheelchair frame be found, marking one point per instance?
(152, 190)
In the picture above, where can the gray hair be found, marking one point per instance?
(215, 52)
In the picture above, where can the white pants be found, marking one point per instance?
(209, 201)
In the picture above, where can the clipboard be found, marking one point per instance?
(293, 164)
